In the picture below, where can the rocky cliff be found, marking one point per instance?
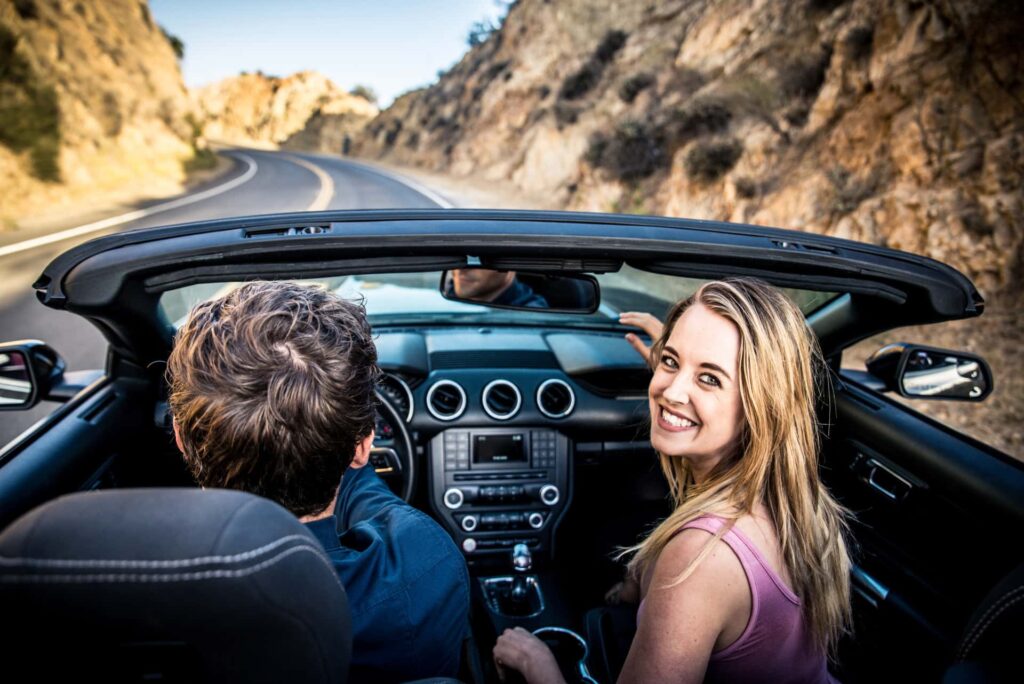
(303, 111)
(900, 123)
(91, 100)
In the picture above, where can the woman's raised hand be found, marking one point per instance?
(646, 322)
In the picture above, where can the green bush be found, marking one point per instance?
(710, 160)
(632, 86)
(202, 159)
(634, 151)
(595, 149)
(610, 45)
(804, 77)
(746, 188)
(365, 92)
(565, 114)
(26, 9)
(859, 42)
(848, 191)
(580, 83)
(29, 114)
(699, 117)
(583, 81)
(176, 43)
(45, 157)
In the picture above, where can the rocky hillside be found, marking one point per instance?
(305, 110)
(91, 99)
(896, 122)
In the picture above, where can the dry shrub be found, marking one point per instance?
(709, 160)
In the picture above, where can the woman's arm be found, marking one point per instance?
(680, 625)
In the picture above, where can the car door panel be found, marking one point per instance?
(934, 515)
(75, 449)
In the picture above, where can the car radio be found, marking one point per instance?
(495, 487)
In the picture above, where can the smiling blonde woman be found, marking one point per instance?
(748, 579)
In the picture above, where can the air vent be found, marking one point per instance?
(555, 398)
(446, 400)
(501, 399)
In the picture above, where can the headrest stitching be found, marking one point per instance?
(128, 563)
(166, 577)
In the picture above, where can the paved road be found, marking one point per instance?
(260, 182)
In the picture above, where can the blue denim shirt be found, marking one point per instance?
(407, 583)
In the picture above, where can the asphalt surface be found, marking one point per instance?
(260, 182)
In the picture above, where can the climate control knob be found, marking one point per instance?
(469, 523)
(536, 520)
(453, 498)
(549, 494)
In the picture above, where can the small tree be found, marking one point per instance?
(176, 44)
(479, 32)
(365, 92)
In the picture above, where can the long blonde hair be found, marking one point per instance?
(777, 462)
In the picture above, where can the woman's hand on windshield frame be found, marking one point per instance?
(646, 322)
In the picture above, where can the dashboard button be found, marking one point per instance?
(453, 498)
(549, 494)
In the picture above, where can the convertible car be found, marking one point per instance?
(522, 429)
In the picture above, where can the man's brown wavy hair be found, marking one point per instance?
(272, 387)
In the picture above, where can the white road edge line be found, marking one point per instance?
(134, 215)
(326, 194)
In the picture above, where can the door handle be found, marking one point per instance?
(887, 482)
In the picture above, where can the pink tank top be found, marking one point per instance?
(775, 646)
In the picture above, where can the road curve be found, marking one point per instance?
(261, 182)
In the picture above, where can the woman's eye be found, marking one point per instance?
(709, 379)
(668, 361)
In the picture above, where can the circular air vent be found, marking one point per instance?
(501, 399)
(446, 400)
(555, 398)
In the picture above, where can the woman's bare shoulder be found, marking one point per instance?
(719, 571)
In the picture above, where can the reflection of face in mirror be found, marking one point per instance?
(15, 382)
(494, 287)
(481, 284)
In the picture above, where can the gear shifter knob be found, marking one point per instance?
(522, 560)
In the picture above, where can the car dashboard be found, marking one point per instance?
(496, 416)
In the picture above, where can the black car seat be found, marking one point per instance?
(989, 650)
(175, 585)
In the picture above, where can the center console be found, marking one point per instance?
(493, 488)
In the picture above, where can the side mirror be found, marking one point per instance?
(557, 293)
(918, 372)
(29, 369)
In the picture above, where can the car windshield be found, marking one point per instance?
(415, 298)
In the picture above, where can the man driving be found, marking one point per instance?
(496, 287)
(272, 393)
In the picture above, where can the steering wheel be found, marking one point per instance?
(393, 457)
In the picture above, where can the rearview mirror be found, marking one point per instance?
(28, 369)
(919, 372)
(522, 291)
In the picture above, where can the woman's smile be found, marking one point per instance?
(676, 422)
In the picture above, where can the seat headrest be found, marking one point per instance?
(190, 585)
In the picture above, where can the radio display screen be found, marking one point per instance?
(498, 449)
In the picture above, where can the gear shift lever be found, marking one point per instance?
(522, 561)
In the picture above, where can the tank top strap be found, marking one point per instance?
(753, 561)
(712, 524)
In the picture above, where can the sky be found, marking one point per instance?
(391, 45)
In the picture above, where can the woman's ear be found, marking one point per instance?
(363, 448)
